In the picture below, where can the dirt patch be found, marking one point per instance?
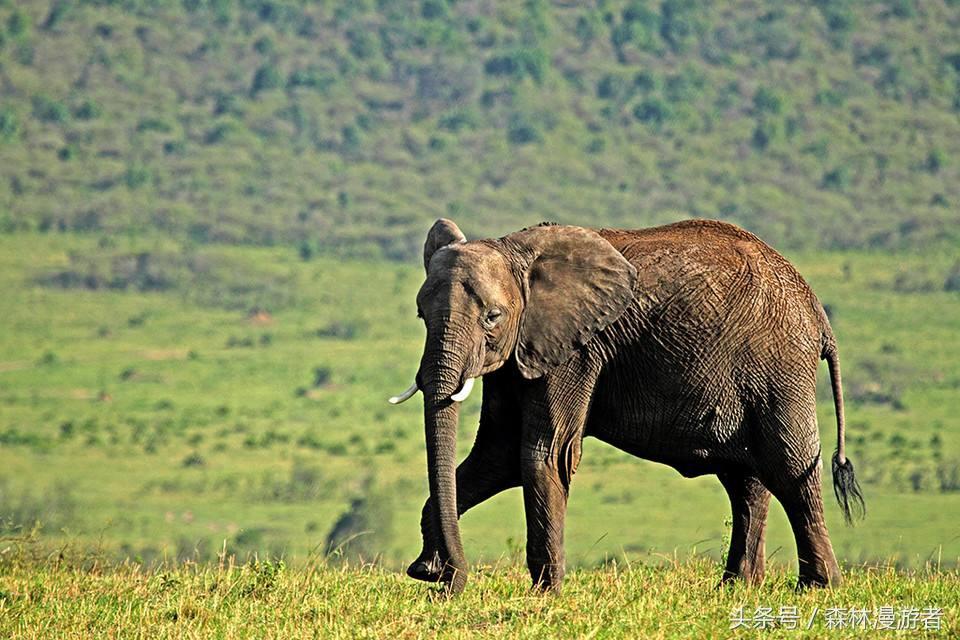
(15, 365)
(260, 317)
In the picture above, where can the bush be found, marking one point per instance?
(341, 330)
(18, 24)
(266, 77)
(652, 111)
(952, 283)
(193, 460)
(364, 530)
(611, 87)
(87, 110)
(50, 110)
(767, 101)
(9, 124)
(680, 23)
(363, 42)
(836, 179)
(948, 475)
(521, 130)
(936, 158)
(527, 62)
(322, 376)
(136, 176)
(58, 11)
(55, 508)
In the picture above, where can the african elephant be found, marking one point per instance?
(692, 344)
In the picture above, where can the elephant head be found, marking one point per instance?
(534, 296)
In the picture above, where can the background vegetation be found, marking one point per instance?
(352, 125)
(211, 213)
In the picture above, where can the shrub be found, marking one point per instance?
(49, 110)
(363, 42)
(9, 124)
(679, 23)
(837, 178)
(952, 283)
(936, 158)
(18, 23)
(364, 530)
(58, 11)
(767, 131)
(87, 110)
(136, 176)
(521, 130)
(265, 78)
(322, 376)
(526, 62)
(652, 111)
(311, 77)
(611, 87)
(193, 460)
(342, 330)
(767, 101)
(948, 475)
(154, 124)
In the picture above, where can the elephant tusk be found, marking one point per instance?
(406, 395)
(464, 392)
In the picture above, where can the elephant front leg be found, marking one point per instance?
(545, 503)
(483, 474)
(749, 500)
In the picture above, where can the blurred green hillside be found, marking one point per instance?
(352, 125)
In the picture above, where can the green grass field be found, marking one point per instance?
(164, 425)
(620, 601)
(211, 212)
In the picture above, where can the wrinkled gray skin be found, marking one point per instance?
(694, 345)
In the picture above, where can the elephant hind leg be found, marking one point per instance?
(788, 461)
(803, 503)
(749, 501)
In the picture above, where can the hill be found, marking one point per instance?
(351, 126)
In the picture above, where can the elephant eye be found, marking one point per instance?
(493, 315)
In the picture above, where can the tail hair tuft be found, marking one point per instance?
(847, 490)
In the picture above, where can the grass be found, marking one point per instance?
(621, 600)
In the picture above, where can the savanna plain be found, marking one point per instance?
(211, 214)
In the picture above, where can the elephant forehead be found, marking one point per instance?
(479, 269)
(476, 260)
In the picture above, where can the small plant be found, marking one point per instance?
(322, 376)
(194, 459)
(266, 77)
(364, 530)
(50, 110)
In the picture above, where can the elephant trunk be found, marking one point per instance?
(441, 415)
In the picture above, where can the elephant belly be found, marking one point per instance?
(694, 431)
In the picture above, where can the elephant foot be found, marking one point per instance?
(547, 577)
(818, 582)
(428, 567)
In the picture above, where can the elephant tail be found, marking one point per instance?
(845, 485)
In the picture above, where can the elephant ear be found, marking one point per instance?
(576, 284)
(442, 234)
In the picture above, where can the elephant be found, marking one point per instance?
(693, 344)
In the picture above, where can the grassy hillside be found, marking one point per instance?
(168, 422)
(354, 124)
(267, 600)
